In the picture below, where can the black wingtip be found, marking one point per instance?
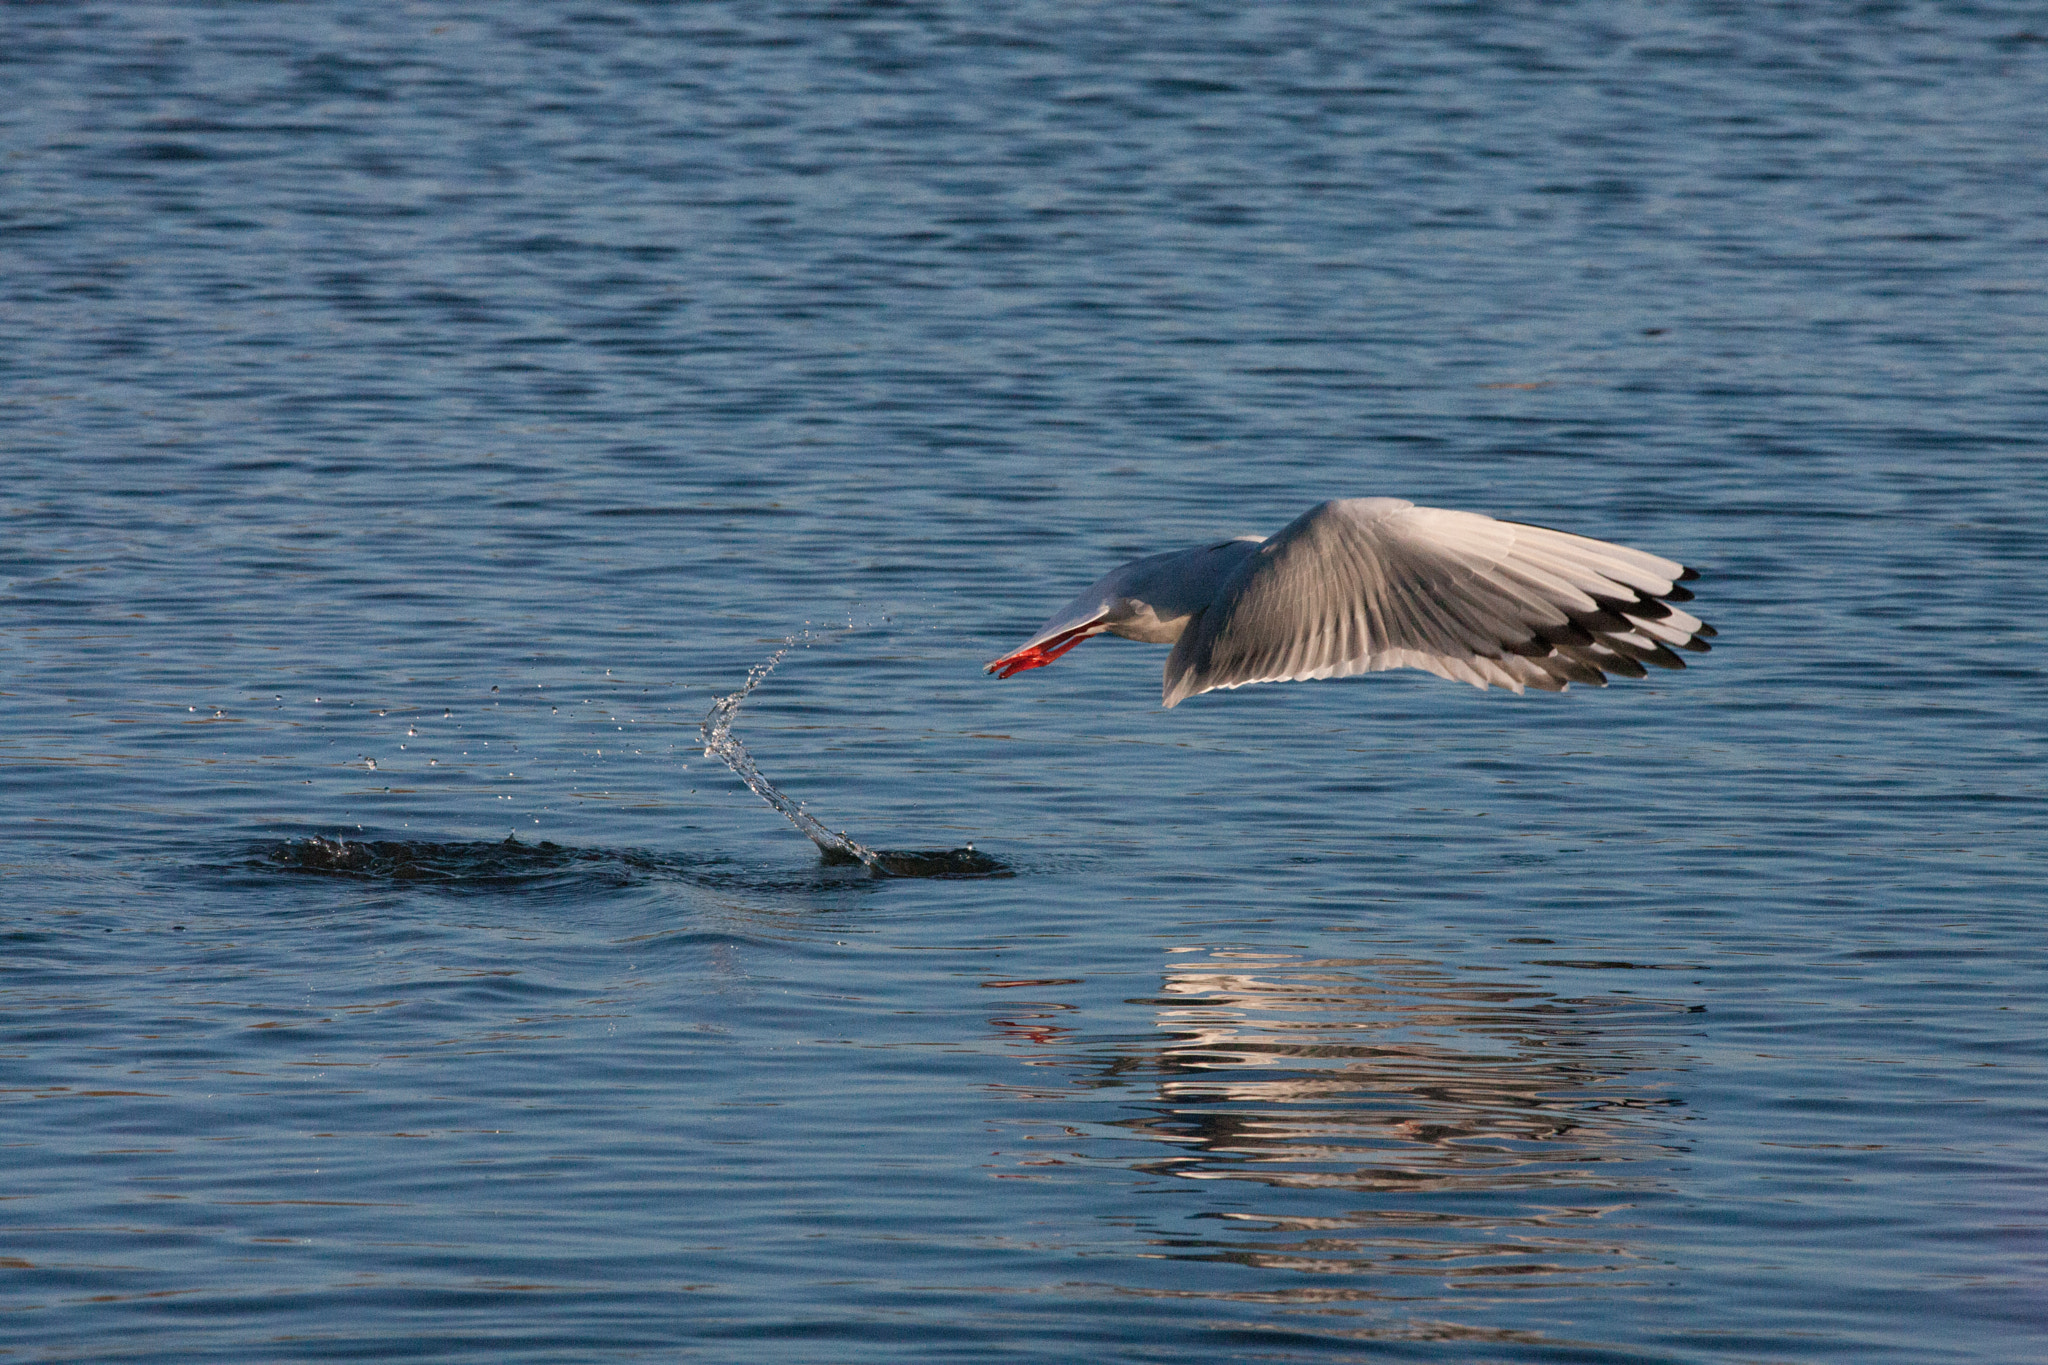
(1686, 575)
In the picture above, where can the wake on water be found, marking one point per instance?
(834, 847)
(720, 743)
(474, 865)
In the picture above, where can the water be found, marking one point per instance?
(833, 845)
(415, 419)
(720, 743)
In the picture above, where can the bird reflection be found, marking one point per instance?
(1374, 1123)
(1318, 1074)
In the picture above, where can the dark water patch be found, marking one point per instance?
(1604, 965)
(168, 151)
(935, 863)
(467, 865)
(702, 511)
(507, 865)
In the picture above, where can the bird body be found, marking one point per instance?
(1357, 585)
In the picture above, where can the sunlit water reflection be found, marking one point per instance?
(1463, 1138)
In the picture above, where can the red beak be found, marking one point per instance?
(1038, 656)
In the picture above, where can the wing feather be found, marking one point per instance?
(1364, 584)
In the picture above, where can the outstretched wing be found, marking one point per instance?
(1363, 584)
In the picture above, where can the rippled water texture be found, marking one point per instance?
(414, 419)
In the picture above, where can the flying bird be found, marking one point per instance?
(1357, 585)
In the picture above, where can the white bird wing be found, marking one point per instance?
(1358, 585)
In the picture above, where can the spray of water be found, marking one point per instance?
(722, 744)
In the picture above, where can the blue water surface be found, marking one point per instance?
(413, 416)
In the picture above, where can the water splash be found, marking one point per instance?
(720, 743)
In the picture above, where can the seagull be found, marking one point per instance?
(1358, 585)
